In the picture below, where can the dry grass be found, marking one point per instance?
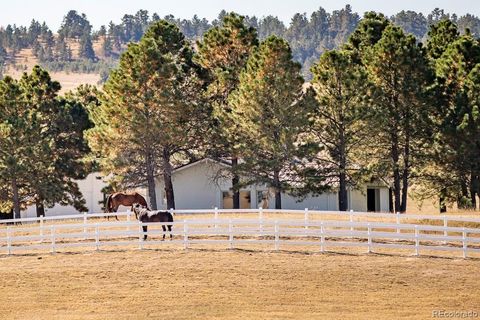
(25, 60)
(233, 284)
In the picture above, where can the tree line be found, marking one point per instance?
(382, 106)
(308, 36)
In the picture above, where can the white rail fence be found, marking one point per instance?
(334, 229)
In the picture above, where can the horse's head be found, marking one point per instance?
(137, 207)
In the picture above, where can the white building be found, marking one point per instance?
(197, 186)
(91, 188)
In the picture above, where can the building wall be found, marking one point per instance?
(90, 187)
(195, 188)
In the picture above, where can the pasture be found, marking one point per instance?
(234, 284)
(250, 271)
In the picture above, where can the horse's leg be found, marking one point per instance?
(170, 230)
(115, 210)
(144, 230)
(164, 230)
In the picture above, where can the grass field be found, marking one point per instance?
(68, 81)
(234, 284)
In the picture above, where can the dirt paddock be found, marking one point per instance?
(234, 284)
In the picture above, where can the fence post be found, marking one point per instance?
(277, 238)
(230, 233)
(85, 225)
(369, 233)
(416, 240)
(306, 218)
(445, 225)
(52, 237)
(351, 220)
(140, 237)
(129, 213)
(41, 227)
(464, 242)
(185, 234)
(9, 239)
(398, 221)
(322, 237)
(97, 238)
(216, 217)
(260, 217)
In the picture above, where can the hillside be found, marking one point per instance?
(24, 61)
(90, 54)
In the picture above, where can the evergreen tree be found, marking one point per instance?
(107, 47)
(62, 50)
(440, 36)
(270, 113)
(455, 166)
(57, 142)
(74, 25)
(411, 22)
(368, 32)
(15, 148)
(151, 111)
(223, 52)
(269, 26)
(399, 71)
(339, 130)
(86, 48)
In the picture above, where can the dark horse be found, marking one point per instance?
(145, 215)
(125, 199)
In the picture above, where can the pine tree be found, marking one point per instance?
(107, 47)
(15, 124)
(338, 131)
(86, 48)
(151, 111)
(440, 36)
(223, 52)
(270, 113)
(62, 50)
(400, 73)
(457, 149)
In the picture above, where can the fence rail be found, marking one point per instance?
(46, 233)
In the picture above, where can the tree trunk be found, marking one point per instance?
(235, 182)
(442, 204)
(342, 192)
(405, 175)
(278, 191)
(396, 173)
(167, 178)
(16, 199)
(390, 200)
(40, 207)
(152, 195)
(463, 202)
(473, 190)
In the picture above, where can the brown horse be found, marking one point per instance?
(145, 215)
(125, 199)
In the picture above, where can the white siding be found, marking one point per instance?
(90, 187)
(195, 188)
(326, 201)
(358, 200)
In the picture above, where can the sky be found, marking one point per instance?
(101, 12)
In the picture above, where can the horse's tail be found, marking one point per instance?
(108, 203)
